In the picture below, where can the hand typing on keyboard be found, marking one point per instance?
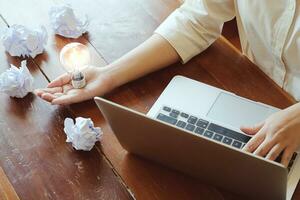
(278, 135)
(276, 139)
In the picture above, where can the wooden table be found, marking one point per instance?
(36, 161)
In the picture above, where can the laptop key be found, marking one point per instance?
(190, 127)
(181, 124)
(199, 131)
(229, 133)
(166, 108)
(184, 115)
(175, 111)
(192, 120)
(237, 144)
(202, 123)
(208, 134)
(166, 118)
(218, 137)
(174, 115)
(227, 140)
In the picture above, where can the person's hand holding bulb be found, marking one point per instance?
(81, 82)
(61, 92)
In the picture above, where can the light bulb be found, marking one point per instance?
(75, 57)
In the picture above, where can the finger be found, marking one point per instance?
(66, 99)
(38, 92)
(254, 142)
(264, 147)
(286, 157)
(50, 90)
(251, 130)
(48, 97)
(275, 152)
(71, 98)
(60, 81)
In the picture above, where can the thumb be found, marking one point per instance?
(60, 81)
(251, 130)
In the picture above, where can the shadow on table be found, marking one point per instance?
(20, 106)
(41, 58)
(60, 41)
(30, 61)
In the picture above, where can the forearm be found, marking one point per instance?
(154, 54)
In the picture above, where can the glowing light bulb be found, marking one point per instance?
(75, 57)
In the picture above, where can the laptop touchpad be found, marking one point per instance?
(236, 111)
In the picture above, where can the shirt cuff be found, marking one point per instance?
(177, 33)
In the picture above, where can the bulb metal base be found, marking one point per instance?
(78, 80)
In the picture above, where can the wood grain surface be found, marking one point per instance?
(35, 156)
(32, 142)
(7, 192)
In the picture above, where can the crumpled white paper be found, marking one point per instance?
(83, 135)
(20, 41)
(65, 23)
(16, 82)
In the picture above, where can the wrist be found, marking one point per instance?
(294, 110)
(116, 75)
(109, 77)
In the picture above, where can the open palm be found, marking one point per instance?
(60, 91)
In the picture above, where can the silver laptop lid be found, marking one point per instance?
(195, 155)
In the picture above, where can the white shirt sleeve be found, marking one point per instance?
(195, 25)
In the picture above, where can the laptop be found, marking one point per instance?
(194, 128)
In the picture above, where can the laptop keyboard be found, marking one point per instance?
(207, 129)
(203, 127)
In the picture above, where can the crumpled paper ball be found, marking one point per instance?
(20, 41)
(65, 23)
(16, 82)
(83, 135)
